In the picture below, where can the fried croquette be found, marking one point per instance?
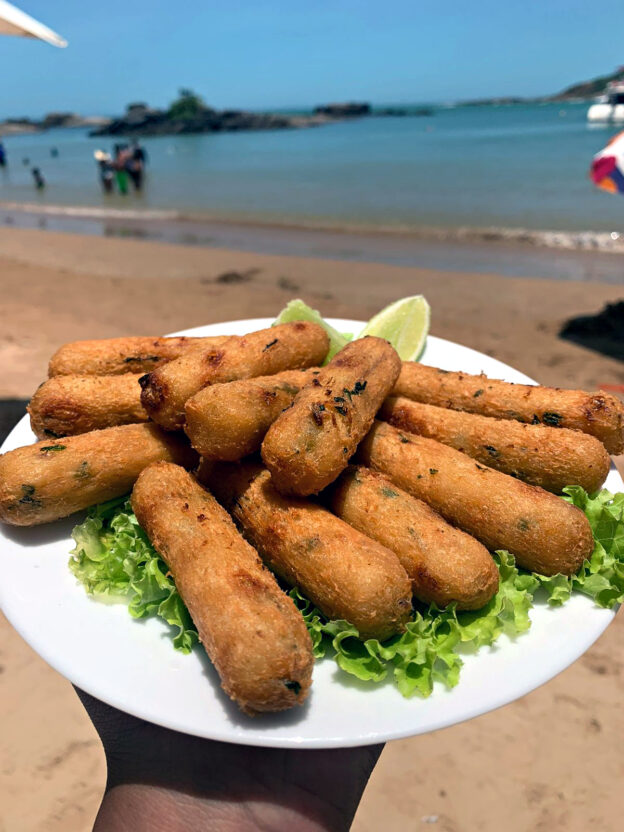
(542, 531)
(599, 414)
(308, 446)
(444, 564)
(292, 346)
(68, 405)
(53, 478)
(252, 631)
(346, 574)
(229, 421)
(536, 454)
(115, 356)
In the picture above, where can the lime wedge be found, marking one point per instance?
(298, 310)
(405, 323)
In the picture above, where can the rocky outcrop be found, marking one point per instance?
(349, 109)
(60, 120)
(14, 126)
(501, 101)
(404, 111)
(71, 120)
(141, 120)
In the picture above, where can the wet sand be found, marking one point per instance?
(550, 761)
(511, 253)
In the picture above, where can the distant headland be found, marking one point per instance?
(581, 91)
(589, 89)
(15, 126)
(190, 114)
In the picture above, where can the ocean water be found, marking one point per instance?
(509, 167)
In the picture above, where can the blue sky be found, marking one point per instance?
(267, 53)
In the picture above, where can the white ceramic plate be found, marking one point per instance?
(132, 665)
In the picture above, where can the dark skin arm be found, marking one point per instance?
(163, 781)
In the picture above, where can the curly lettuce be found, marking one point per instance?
(428, 650)
(114, 560)
(602, 576)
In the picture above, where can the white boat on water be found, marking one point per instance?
(609, 107)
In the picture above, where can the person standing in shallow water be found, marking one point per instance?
(39, 180)
(105, 170)
(106, 173)
(136, 164)
(120, 166)
(3, 159)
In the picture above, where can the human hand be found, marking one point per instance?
(163, 781)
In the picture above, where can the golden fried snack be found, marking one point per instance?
(346, 574)
(113, 356)
(536, 454)
(291, 346)
(598, 414)
(308, 446)
(229, 421)
(51, 479)
(67, 405)
(252, 631)
(545, 533)
(444, 564)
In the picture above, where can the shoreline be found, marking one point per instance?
(588, 256)
(584, 240)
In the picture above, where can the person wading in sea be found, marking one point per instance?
(136, 164)
(105, 170)
(120, 166)
(39, 180)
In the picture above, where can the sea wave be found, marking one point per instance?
(90, 212)
(587, 240)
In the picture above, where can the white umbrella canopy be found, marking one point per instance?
(15, 22)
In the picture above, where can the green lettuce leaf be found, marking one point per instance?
(428, 650)
(602, 576)
(298, 310)
(114, 560)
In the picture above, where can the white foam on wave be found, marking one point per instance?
(588, 240)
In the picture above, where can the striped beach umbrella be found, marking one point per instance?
(16, 22)
(607, 170)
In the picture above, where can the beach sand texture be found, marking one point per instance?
(550, 761)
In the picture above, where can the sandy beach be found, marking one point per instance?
(550, 761)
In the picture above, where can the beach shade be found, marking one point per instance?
(607, 170)
(15, 22)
